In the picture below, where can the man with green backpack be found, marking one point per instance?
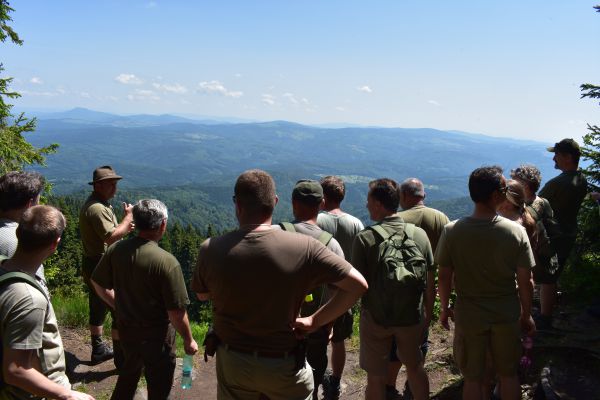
(307, 197)
(396, 259)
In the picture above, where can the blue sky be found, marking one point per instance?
(503, 68)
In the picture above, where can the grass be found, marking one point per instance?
(72, 311)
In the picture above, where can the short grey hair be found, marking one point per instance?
(148, 214)
(413, 187)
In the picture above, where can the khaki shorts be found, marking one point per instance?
(243, 376)
(376, 341)
(500, 342)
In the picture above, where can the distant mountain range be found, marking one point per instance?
(166, 150)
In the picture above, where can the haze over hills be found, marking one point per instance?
(165, 151)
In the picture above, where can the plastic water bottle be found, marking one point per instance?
(186, 371)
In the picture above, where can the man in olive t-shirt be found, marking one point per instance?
(99, 228)
(145, 286)
(344, 228)
(257, 278)
(487, 255)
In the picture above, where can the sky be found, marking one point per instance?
(507, 68)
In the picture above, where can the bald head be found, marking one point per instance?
(412, 192)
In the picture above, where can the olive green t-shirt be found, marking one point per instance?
(565, 194)
(147, 281)
(430, 220)
(344, 229)
(29, 323)
(485, 255)
(257, 282)
(96, 222)
(365, 252)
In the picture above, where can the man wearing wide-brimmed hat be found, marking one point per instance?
(99, 228)
(565, 194)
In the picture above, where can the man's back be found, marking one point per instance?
(485, 255)
(257, 281)
(96, 219)
(344, 228)
(565, 193)
(430, 220)
(147, 282)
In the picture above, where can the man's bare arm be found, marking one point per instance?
(525, 282)
(124, 227)
(445, 288)
(18, 371)
(203, 296)
(107, 295)
(349, 290)
(180, 321)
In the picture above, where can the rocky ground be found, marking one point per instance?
(566, 365)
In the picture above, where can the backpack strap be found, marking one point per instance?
(409, 230)
(287, 226)
(380, 230)
(16, 276)
(325, 238)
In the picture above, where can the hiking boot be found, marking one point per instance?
(101, 352)
(331, 387)
(391, 393)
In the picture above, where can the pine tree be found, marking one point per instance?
(15, 151)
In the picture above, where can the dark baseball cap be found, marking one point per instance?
(568, 146)
(308, 190)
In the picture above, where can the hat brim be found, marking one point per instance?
(551, 149)
(113, 177)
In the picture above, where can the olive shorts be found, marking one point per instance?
(500, 342)
(342, 327)
(376, 341)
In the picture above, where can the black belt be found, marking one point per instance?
(259, 353)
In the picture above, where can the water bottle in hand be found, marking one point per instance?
(186, 371)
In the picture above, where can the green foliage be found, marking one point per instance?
(15, 151)
(198, 332)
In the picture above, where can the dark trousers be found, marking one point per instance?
(316, 354)
(156, 357)
(98, 308)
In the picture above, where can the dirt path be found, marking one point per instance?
(566, 365)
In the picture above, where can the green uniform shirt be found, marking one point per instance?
(147, 281)
(485, 255)
(96, 222)
(365, 248)
(565, 194)
(430, 220)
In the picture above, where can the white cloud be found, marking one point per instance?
(216, 87)
(128, 79)
(36, 80)
(435, 103)
(364, 89)
(294, 100)
(85, 95)
(39, 94)
(268, 99)
(151, 4)
(238, 75)
(340, 109)
(143, 95)
(174, 88)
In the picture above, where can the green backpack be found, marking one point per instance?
(397, 284)
(316, 298)
(5, 279)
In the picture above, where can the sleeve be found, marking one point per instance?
(326, 266)
(102, 220)
(174, 292)
(24, 322)
(442, 252)
(359, 254)
(526, 258)
(199, 281)
(103, 274)
(425, 246)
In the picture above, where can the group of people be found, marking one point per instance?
(281, 293)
